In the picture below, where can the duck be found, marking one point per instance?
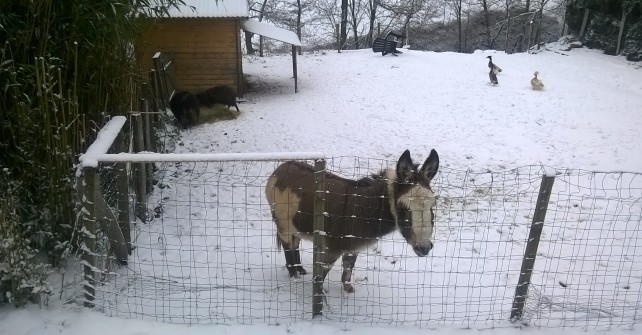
(493, 77)
(493, 66)
(536, 83)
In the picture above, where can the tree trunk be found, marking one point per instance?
(584, 21)
(538, 35)
(459, 27)
(564, 21)
(527, 27)
(619, 36)
(487, 24)
(530, 33)
(372, 17)
(507, 26)
(261, 15)
(355, 32)
(248, 43)
(344, 24)
(466, 30)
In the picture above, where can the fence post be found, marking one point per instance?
(148, 145)
(89, 183)
(528, 263)
(155, 91)
(159, 66)
(141, 169)
(122, 145)
(319, 237)
(123, 204)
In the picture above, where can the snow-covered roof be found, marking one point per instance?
(267, 30)
(211, 8)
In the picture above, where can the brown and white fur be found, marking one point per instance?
(358, 211)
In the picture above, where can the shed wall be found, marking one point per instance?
(206, 51)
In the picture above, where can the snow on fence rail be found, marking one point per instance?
(203, 248)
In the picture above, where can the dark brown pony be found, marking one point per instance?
(358, 211)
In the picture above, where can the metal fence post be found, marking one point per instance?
(319, 237)
(528, 263)
(89, 184)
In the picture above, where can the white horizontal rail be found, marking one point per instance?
(97, 152)
(149, 157)
(103, 142)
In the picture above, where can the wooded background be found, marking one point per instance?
(456, 25)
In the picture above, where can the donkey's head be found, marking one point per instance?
(412, 200)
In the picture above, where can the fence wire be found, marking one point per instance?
(208, 253)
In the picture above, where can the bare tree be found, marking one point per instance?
(457, 10)
(507, 6)
(258, 8)
(355, 16)
(484, 4)
(372, 17)
(407, 10)
(540, 15)
(299, 10)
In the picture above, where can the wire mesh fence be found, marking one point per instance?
(208, 253)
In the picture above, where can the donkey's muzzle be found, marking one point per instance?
(422, 250)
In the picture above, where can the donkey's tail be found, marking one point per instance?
(279, 245)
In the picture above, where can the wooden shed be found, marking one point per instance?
(204, 40)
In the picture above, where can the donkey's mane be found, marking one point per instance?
(362, 182)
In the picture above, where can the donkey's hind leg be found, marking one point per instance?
(348, 259)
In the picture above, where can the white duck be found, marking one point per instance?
(536, 83)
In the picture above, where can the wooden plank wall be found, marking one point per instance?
(206, 51)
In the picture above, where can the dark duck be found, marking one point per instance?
(492, 74)
(496, 69)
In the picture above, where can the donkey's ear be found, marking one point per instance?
(404, 167)
(430, 167)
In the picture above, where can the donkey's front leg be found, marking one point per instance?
(349, 258)
(293, 262)
(291, 245)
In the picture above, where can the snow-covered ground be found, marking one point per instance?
(209, 254)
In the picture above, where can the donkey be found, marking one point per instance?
(358, 212)
(185, 107)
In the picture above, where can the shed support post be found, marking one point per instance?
(294, 69)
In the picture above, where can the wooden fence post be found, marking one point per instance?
(159, 66)
(140, 182)
(528, 263)
(155, 90)
(122, 145)
(89, 183)
(123, 204)
(148, 144)
(319, 237)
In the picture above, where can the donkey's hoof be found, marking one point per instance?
(348, 288)
(293, 272)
